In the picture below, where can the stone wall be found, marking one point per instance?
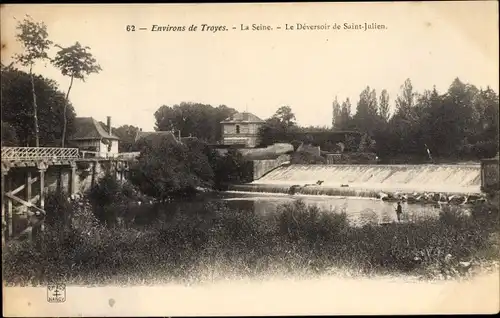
(351, 158)
(261, 167)
(489, 174)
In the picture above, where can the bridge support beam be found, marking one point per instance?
(72, 187)
(4, 223)
(8, 187)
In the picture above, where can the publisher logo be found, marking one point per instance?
(56, 293)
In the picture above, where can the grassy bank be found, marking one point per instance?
(225, 243)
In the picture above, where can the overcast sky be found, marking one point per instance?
(430, 43)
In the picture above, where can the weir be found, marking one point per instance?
(388, 178)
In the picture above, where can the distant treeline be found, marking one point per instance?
(459, 124)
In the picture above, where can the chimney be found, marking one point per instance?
(109, 125)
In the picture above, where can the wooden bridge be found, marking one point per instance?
(28, 199)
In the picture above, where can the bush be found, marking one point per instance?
(296, 239)
(303, 157)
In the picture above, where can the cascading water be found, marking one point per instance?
(427, 178)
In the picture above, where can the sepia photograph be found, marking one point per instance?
(250, 159)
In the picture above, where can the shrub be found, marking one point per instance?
(297, 238)
(303, 157)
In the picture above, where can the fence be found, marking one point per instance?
(38, 153)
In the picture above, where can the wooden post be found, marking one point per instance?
(4, 223)
(42, 188)
(59, 186)
(42, 169)
(28, 197)
(92, 180)
(73, 178)
(28, 186)
(122, 170)
(9, 207)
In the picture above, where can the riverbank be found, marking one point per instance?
(292, 240)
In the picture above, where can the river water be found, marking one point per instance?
(358, 210)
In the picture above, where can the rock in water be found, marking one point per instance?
(383, 196)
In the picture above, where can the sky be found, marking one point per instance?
(431, 43)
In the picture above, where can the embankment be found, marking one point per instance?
(355, 179)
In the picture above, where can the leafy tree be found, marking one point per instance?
(337, 112)
(127, 134)
(188, 167)
(9, 137)
(231, 168)
(285, 116)
(345, 115)
(33, 36)
(76, 62)
(281, 127)
(193, 119)
(383, 106)
(16, 87)
(365, 118)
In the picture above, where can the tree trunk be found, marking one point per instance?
(64, 113)
(35, 109)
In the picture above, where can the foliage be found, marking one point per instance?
(17, 110)
(281, 127)
(232, 168)
(193, 119)
(304, 157)
(74, 61)
(460, 124)
(294, 239)
(9, 137)
(112, 200)
(127, 134)
(181, 173)
(33, 36)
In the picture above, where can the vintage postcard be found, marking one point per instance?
(250, 159)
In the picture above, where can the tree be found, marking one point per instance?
(285, 116)
(281, 127)
(76, 62)
(193, 119)
(33, 36)
(346, 115)
(17, 107)
(383, 106)
(337, 115)
(406, 100)
(365, 118)
(127, 134)
(9, 138)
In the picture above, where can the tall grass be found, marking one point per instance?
(221, 242)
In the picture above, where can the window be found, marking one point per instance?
(237, 129)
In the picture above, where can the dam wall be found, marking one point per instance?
(261, 167)
(388, 178)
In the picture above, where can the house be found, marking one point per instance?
(93, 139)
(241, 129)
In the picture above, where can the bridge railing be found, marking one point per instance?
(38, 153)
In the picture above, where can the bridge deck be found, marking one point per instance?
(32, 156)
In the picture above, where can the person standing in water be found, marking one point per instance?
(399, 211)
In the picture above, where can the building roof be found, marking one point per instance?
(87, 128)
(244, 117)
(148, 134)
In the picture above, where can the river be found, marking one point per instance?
(358, 210)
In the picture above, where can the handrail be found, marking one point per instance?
(38, 153)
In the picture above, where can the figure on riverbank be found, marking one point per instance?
(399, 211)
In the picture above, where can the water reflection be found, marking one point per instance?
(359, 210)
